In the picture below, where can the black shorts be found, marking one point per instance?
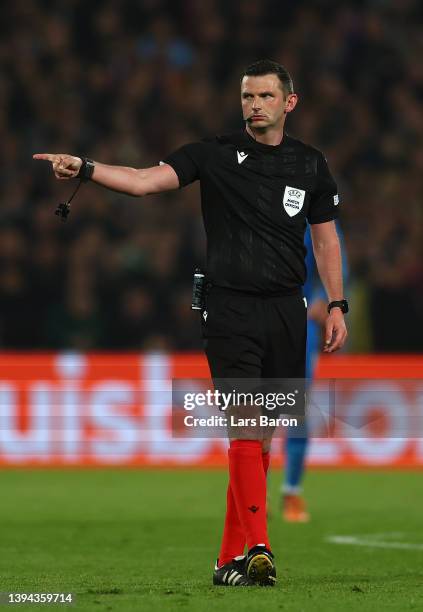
(252, 336)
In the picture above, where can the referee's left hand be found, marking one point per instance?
(335, 331)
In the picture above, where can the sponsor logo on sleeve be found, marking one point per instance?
(336, 200)
(293, 200)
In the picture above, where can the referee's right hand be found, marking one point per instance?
(64, 166)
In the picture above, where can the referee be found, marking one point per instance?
(259, 189)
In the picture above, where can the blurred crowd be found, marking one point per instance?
(128, 81)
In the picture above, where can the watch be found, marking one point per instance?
(342, 304)
(86, 170)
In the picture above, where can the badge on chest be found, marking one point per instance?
(293, 200)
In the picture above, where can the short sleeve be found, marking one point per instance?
(188, 162)
(324, 199)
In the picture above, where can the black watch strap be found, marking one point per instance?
(342, 304)
(86, 170)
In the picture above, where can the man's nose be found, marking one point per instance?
(256, 104)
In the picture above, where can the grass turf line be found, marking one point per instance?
(141, 540)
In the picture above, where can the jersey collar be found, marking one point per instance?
(265, 148)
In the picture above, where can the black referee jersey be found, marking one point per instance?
(256, 200)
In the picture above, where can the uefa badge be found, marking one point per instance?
(293, 200)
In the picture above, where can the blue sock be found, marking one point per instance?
(295, 453)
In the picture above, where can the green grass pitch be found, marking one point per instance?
(147, 540)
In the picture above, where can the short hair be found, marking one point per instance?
(266, 66)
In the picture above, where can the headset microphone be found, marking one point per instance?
(250, 121)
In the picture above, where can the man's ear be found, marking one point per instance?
(291, 103)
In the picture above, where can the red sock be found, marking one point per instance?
(233, 541)
(266, 460)
(248, 484)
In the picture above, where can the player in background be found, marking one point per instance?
(295, 448)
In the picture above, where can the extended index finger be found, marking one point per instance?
(51, 157)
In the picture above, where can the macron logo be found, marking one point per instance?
(241, 156)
